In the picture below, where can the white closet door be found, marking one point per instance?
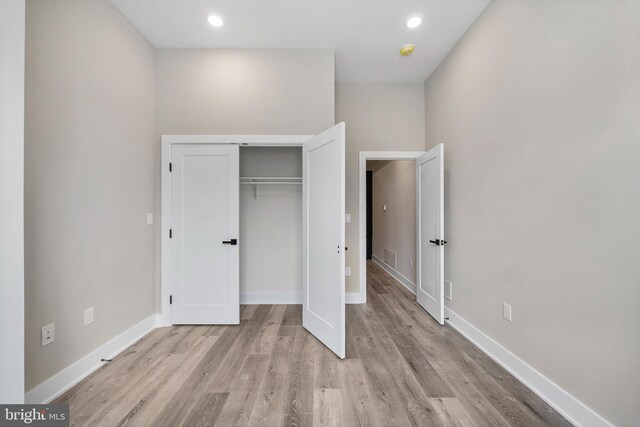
(430, 215)
(204, 247)
(323, 310)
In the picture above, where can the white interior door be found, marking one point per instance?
(430, 217)
(323, 195)
(204, 232)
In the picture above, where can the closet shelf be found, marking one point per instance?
(271, 180)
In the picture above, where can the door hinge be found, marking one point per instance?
(170, 167)
(170, 299)
(170, 233)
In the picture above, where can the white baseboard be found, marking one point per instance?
(571, 408)
(289, 298)
(354, 298)
(271, 298)
(53, 387)
(396, 274)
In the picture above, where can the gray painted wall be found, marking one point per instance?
(89, 157)
(12, 28)
(250, 91)
(245, 91)
(539, 110)
(394, 185)
(378, 116)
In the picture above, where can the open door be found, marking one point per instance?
(430, 218)
(205, 284)
(323, 195)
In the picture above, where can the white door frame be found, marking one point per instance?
(167, 141)
(362, 202)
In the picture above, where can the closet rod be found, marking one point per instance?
(253, 180)
(272, 183)
(272, 177)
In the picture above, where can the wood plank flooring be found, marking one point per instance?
(402, 369)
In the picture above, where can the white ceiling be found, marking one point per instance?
(365, 34)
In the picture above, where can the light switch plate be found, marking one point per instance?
(348, 271)
(88, 316)
(347, 218)
(150, 218)
(506, 311)
(448, 290)
(48, 334)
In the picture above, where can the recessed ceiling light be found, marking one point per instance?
(215, 20)
(414, 21)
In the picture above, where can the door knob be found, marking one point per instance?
(232, 242)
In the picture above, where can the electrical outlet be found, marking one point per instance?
(348, 271)
(48, 334)
(384, 207)
(506, 311)
(150, 218)
(448, 290)
(88, 316)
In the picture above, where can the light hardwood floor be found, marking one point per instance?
(402, 368)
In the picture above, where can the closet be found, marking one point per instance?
(270, 225)
(254, 219)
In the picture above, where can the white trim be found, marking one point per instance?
(271, 298)
(571, 408)
(166, 142)
(362, 203)
(396, 275)
(53, 387)
(250, 140)
(287, 298)
(353, 298)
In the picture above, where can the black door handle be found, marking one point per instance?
(232, 242)
(438, 242)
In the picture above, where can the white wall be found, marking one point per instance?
(394, 185)
(538, 107)
(378, 116)
(251, 91)
(12, 34)
(271, 223)
(89, 157)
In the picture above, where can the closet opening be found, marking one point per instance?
(270, 225)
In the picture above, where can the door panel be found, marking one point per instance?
(430, 217)
(323, 311)
(205, 208)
